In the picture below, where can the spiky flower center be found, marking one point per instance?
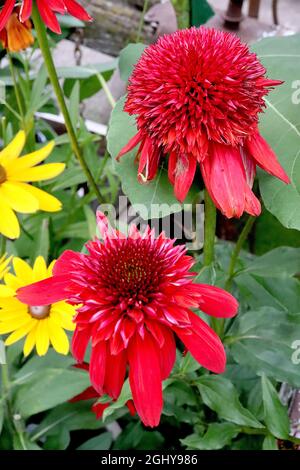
(131, 271)
(39, 312)
(2, 174)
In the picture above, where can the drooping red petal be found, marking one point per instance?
(98, 366)
(6, 12)
(131, 407)
(265, 157)
(225, 178)
(57, 5)
(25, 10)
(252, 204)
(184, 175)
(115, 374)
(204, 345)
(87, 394)
(167, 353)
(172, 167)
(48, 16)
(217, 302)
(133, 142)
(98, 409)
(46, 292)
(80, 340)
(77, 10)
(145, 378)
(65, 263)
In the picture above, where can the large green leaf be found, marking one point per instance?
(101, 442)
(280, 125)
(142, 196)
(281, 262)
(128, 58)
(216, 437)
(220, 395)
(275, 414)
(262, 339)
(49, 388)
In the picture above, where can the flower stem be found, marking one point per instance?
(17, 91)
(235, 254)
(142, 20)
(45, 49)
(2, 245)
(209, 229)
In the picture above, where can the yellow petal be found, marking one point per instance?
(39, 173)
(18, 198)
(11, 315)
(47, 202)
(62, 320)
(58, 338)
(14, 324)
(42, 337)
(23, 271)
(13, 150)
(12, 304)
(30, 341)
(13, 282)
(9, 224)
(20, 333)
(6, 291)
(29, 160)
(40, 270)
(50, 268)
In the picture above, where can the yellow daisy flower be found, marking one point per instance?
(4, 268)
(42, 326)
(15, 192)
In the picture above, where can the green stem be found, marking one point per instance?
(237, 249)
(2, 246)
(45, 49)
(209, 230)
(17, 92)
(141, 23)
(106, 90)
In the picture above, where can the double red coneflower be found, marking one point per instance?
(134, 295)
(196, 95)
(47, 9)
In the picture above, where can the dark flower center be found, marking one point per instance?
(2, 175)
(39, 312)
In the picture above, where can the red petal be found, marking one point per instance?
(145, 378)
(98, 366)
(217, 302)
(204, 345)
(225, 178)
(252, 204)
(6, 12)
(87, 394)
(80, 340)
(45, 292)
(172, 166)
(77, 10)
(25, 11)
(133, 142)
(167, 353)
(184, 175)
(265, 157)
(131, 407)
(115, 374)
(98, 409)
(65, 263)
(48, 16)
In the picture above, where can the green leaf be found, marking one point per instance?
(129, 56)
(143, 197)
(74, 104)
(2, 353)
(275, 413)
(220, 395)
(49, 388)
(42, 242)
(281, 262)
(91, 220)
(38, 90)
(101, 442)
(217, 436)
(280, 126)
(262, 339)
(270, 443)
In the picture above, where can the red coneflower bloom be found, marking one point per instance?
(134, 293)
(91, 392)
(196, 95)
(47, 9)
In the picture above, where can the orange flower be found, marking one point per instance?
(16, 36)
